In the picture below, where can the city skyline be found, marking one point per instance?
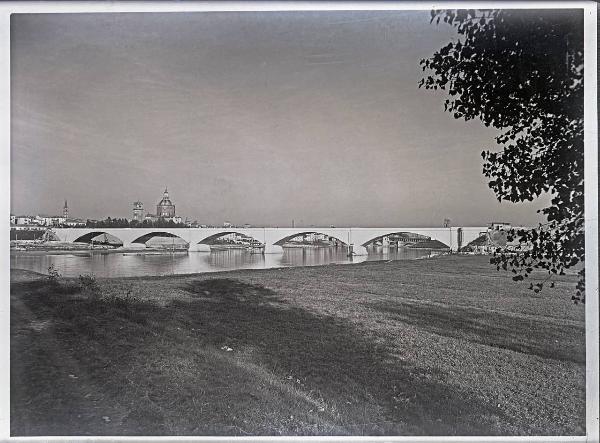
(145, 211)
(259, 118)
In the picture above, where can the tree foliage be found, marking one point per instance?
(521, 71)
(124, 223)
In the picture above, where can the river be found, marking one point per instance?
(131, 264)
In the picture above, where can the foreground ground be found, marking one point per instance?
(438, 346)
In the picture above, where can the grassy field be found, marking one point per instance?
(437, 346)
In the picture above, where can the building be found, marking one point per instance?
(165, 208)
(150, 217)
(27, 228)
(154, 219)
(49, 220)
(74, 223)
(66, 211)
(138, 211)
(23, 220)
(500, 226)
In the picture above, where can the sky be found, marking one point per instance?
(247, 117)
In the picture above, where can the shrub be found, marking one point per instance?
(53, 275)
(87, 282)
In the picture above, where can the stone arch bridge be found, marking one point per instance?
(199, 239)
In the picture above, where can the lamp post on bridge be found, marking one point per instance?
(447, 224)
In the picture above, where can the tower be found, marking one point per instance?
(138, 211)
(66, 211)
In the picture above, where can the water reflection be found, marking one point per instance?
(315, 256)
(387, 253)
(119, 264)
(234, 259)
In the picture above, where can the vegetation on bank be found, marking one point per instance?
(440, 346)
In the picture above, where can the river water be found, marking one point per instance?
(131, 264)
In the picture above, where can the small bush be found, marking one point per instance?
(87, 282)
(53, 275)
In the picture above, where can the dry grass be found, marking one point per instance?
(442, 346)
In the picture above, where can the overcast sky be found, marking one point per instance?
(254, 118)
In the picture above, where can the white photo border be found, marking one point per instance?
(591, 187)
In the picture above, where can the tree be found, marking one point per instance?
(521, 71)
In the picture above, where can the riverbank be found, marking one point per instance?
(438, 346)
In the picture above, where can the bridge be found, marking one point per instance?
(200, 239)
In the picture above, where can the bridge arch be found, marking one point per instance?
(407, 238)
(212, 239)
(287, 238)
(90, 236)
(143, 239)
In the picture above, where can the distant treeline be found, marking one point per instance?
(124, 223)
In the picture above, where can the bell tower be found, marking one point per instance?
(138, 211)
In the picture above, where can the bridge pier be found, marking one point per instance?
(273, 249)
(134, 246)
(358, 250)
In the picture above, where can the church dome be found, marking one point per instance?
(165, 207)
(165, 202)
